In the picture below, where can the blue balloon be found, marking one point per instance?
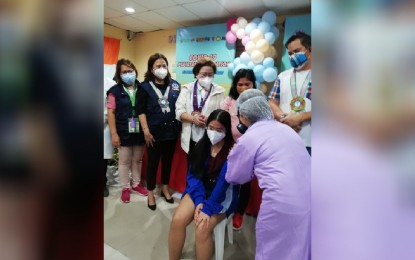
(231, 66)
(256, 20)
(258, 70)
(259, 78)
(251, 65)
(269, 17)
(264, 27)
(257, 84)
(238, 67)
(250, 27)
(270, 74)
(275, 31)
(268, 62)
(270, 37)
(237, 61)
(245, 58)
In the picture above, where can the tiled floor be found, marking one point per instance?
(132, 231)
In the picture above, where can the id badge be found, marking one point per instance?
(133, 125)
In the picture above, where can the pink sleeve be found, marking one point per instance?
(111, 101)
(226, 104)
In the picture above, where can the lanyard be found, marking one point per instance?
(305, 85)
(132, 97)
(163, 100)
(203, 101)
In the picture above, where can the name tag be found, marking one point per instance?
(133, 125)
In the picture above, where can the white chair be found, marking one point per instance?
(219, 232)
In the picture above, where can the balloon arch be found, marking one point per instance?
(258, 37)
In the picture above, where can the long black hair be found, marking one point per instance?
(242, 73)
(201, 151)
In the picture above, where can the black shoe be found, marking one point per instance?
(171, 200)
(106, 192)
(152, 207)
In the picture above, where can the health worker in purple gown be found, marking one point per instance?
(275, 154)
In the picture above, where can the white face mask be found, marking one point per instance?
(215, 136)
(160, 73)
(206, 82)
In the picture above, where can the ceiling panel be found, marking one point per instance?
(284, 6)
(185, 1)
(177, 14)
(207, 9)
(120, 5)
(135, 24)
(245, 8)
(119, 25)
(155, 4)
(111, 13)
(154, 15)
(156, 20)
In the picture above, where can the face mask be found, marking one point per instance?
(215, 136)
(206, 82)
(160, 73)
(241, 128)
(298, 60)
(128, 78)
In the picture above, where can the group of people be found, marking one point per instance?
(228, 141)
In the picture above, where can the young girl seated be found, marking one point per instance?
(208, 198)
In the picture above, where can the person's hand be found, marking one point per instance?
(197, 211)
(115, 139)
(297, 128)
(199, 120)
(149, 138)
(293, 120)
(202, 221)
(202, 119)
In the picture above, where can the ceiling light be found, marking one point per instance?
(130, 10)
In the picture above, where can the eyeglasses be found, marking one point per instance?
(126, 71)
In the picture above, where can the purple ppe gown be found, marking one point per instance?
(275, 154)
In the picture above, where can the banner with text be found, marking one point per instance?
(193, 43)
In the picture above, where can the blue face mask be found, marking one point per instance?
(298, 60)
(128, 78)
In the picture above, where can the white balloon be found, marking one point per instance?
(273, 53)
(249, 47)
(240, 33)
(234, 28)
(264, 88)
(242, 22)
(268, 52)
(256, 35)
(257, 56)
(262, 45)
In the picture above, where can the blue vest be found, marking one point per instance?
(163, 126)
(123, 111)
